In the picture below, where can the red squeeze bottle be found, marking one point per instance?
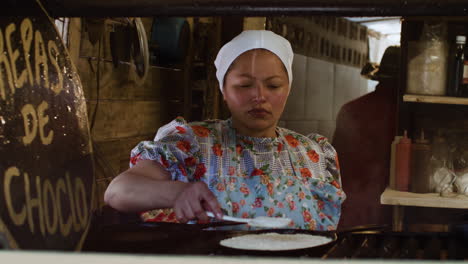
(403, 163)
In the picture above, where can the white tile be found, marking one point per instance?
(361, 84)
(282, 123)
(347, 86)
(327, 128)
(294, 109)
(319, 93)
(371, 85)
(303, 127)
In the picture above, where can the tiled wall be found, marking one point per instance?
(318, 91)
(329, 55)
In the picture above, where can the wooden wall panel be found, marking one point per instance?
(117, 154)
(128, 111)
(118, 82)
(122, 119)
(112, 157)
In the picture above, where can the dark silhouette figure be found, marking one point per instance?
(365, 128)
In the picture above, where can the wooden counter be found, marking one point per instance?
(393, 197)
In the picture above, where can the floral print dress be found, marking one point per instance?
(290, 176)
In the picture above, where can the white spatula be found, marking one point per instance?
(261, 221)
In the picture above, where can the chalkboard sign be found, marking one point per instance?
(46, 169)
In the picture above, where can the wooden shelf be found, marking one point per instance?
(393, 197)
(435, 99)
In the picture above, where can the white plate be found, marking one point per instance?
(275, 241)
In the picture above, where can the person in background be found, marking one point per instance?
(365, 128)
(245, 166)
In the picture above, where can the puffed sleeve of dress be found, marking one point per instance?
(331, 194)
(176, 148)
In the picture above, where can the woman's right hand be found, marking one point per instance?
(193, 201)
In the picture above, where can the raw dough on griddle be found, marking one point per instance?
(275, 241)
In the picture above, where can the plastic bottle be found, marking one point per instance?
(403, 163)
(391, 182)
(464, 88)
(441, 165)
(440, 151)
(456, 67)
(420, 169)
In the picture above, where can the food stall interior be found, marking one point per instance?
(112, 78)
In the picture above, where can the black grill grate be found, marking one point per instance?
(367, 244)
(392, 245)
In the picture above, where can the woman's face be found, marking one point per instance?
(255, 89)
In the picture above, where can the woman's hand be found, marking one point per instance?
(193, 201)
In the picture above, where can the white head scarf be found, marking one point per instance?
(249, 40)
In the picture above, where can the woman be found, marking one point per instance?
(245, 166)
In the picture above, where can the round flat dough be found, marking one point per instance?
(275, 241)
